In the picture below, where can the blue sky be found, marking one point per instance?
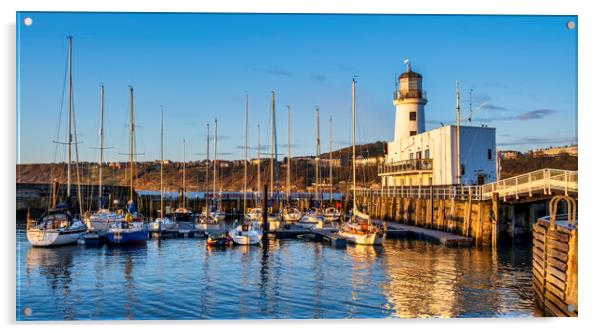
(199, 66)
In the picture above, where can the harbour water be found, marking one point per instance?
(293, 278)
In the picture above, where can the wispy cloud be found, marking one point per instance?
(494, 107)
(530, 115)
(274, 71)
(538, 140)
(536, 114)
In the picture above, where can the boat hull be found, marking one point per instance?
(332, 218)
(41, 238)
(125, 236)
(245, 238)
(374, 238)
(292, 217)
(95, 237)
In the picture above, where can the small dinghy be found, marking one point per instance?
(219, 239)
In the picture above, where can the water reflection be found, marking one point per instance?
(184, 279)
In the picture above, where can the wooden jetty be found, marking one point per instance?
(330, 236)
(503, 211)
(443, 237)
(555, 243)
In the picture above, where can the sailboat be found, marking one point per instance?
(58, 226)
(274, 219)
(360, 229)
(131, 230)
(314, 218)
(289, 214)
(216, 212)
(162, 223)
(99, 222)
(182, 217)
(256, 214)
(205, 222)
(331, 214)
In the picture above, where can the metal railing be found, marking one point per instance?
(405, 166)
(409, 94)
(544, 180)
(425, 192)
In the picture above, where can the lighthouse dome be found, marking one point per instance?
(410, 74)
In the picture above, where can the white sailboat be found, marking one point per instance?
(289, 214)
(99, 222)
(274, 219)
(331, 214)
(216, 212)
(162, 223)
(58, 226)
(205, 222)
(314, 218)
(360, 229)
(255, 214)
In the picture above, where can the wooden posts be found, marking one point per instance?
(495, 219)
(555, 261)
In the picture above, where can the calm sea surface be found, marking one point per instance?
(183, 279)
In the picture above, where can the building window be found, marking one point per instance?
(412, 133)
(411, 156)
(462, 169)
(489, 153)
(413, 115)
(418, 155)
(427, 154)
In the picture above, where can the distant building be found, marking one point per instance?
(510, 154)
(419, 157)
(365, 161)
(555, 151)
(311, 160)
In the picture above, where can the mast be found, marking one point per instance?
(162, 161)
(207, 174)
(184, 196)
(131, 143)
(458, 165)
(272, 144)
(288, 159)
(353, 137)
(258, 161)
(318, 155)
(215, 159)
(330, 158)
(244, 194)
(69, 121)
(101, 135)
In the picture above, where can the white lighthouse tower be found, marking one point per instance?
(409, 101)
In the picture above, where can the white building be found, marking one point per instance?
(416, 157)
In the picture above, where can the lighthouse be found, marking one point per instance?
(409, 100)
(417, 157)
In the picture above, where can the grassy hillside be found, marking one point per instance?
(147, 174)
